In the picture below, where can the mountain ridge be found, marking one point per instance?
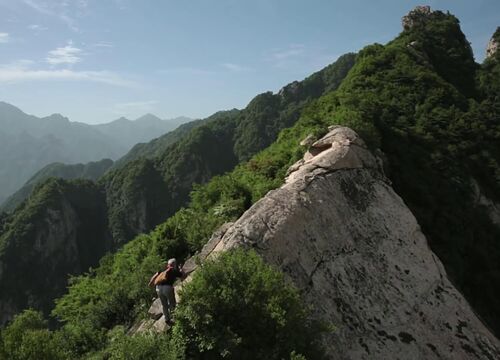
(33, 142)
(147, 189)
(438, 140)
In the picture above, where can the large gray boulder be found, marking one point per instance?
(156, 310)
(341, 234)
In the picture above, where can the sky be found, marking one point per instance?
(96, 60)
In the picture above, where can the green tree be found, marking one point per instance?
(28, 338)
(238, 307)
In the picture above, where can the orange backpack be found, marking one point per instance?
(158, 278)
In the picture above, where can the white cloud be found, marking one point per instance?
(21, 71)
(300, 57)
(59, 9)
(37, 27)
(186, 70)
(64, 55)
(293, 50)
(4, 37)
(69, 21)
(120, 4)
(103, 44)
(82, 3)
(236, 67)
(38, 6)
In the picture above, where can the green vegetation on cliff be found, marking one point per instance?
(61, 220)
(434, 138)
(213, 148)
(157, 146)
(147, 190)
(90, 171)
(439, 133)
(260, 316)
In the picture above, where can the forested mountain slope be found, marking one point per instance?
(90, 171)
(158, 145)
(439, 139)
(420, 102)
(143, 192)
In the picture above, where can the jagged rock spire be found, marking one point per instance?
(415, 17)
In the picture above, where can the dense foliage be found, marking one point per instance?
(39, 242)
(157, 146)
(27, 337)
(238, 307)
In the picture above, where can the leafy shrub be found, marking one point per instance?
(137, 347)
(28, 338)
(238, 307)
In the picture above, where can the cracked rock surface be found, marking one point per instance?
(341, 234)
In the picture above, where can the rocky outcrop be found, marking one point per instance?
(480, 199)
(155, 324)
(416, 17)
(341, 234)
(493, 44)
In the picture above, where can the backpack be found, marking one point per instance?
(162, 277)
(157, 278)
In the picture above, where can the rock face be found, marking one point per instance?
(341, 234)
(155, 311)
(416, 17)
(493, 45)
(492, 208)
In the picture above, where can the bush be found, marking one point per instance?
(28, 338)
(238, 307)
(137, 347)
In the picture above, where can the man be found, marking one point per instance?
(165, 289)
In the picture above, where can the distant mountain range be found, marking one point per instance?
(130, 132)
(28, 143)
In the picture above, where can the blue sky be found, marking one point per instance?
(96, 60)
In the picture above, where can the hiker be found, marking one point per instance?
(164, 282)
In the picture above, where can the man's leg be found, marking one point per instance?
(170, 293)
(162, 294)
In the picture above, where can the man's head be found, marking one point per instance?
(172, 262)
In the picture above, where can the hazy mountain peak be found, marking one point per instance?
(57, 117)
(9, 109)
(148, 117)
(121, 119)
